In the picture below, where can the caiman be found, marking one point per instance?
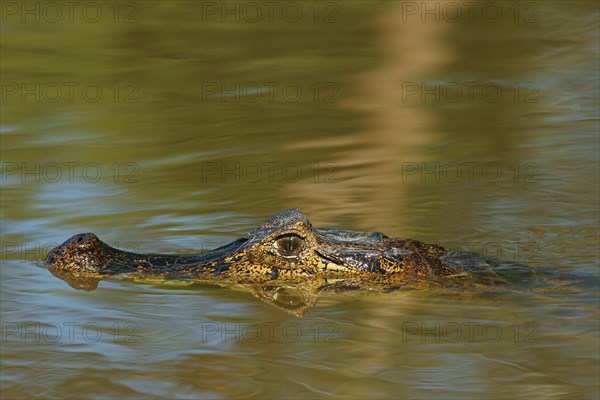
(282, 257)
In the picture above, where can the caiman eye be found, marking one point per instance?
(289, 245)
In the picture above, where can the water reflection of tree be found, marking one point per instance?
(399, 129)
(370, 192)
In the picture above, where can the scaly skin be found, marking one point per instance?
(286, 248)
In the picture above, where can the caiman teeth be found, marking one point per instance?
(331, 263)
(335, 267)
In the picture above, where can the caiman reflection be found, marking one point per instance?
(285, 261)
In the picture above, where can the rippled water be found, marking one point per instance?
(162, 128)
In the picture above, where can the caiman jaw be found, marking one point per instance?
(330, 263)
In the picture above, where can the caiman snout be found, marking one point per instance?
(83, 252)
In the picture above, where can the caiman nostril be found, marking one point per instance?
(83, 240)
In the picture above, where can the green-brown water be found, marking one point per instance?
(160, 127)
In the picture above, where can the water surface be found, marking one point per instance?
(183, 132)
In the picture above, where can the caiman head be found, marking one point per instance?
(288, 244)
(284, 247)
